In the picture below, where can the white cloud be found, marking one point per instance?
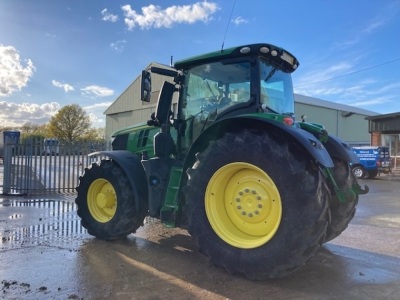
(239, 20)
(364, 90)
(118, 45)
(370, 102)
(95, 112)
(65, 86)
(16, 114)
(13, 75)
(389, 87)
(95, 119)
(317, 76)
(50, 35)
(373, 26)
(97, 106)
(155, 17)
(338, 68)
(97, 91)
(108, 17)
(385, 14)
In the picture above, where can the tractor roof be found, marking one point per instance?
(276, 55)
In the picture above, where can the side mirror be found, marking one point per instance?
(163, 109)
(145, 86)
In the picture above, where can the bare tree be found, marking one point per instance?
(94, 134)
(30, 128)
(70, 124)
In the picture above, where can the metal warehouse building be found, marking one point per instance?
(346, 122)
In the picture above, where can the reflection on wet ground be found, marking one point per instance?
(65, 262)
(42, 222)
(37, 222)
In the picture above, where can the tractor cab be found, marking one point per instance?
(232, 82)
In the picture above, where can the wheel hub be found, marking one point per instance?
(249, 205)
(105, 200)
(102, 200)
(243, 205)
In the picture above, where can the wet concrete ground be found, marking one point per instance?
(45, 254)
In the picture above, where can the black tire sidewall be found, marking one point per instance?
(342, 213)
(125, 218)
(303, 221)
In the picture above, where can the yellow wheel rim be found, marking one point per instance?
(102, 200)
(243, 205)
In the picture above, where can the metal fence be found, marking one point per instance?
(29, 169)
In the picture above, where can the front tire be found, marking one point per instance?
(256, 205)
(107, 203)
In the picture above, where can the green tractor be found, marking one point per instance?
(258, 191)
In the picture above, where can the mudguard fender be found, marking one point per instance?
(308, 141)
(131, 164)
(304, 138)
(340, 150)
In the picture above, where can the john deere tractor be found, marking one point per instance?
(258, 191)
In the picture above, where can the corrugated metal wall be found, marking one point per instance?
(389, 123)
(128, 109)
(352, 129)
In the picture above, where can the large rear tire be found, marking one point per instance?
(256, 205)
(106, 202)
(342, 213)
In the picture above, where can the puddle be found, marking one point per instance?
(40, 203)
(41, 222)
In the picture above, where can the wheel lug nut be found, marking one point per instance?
(241, 193)
(259, 205)
(258, 197)
(243, 213)
(238, 207)
(246, 190)
(256, 212)
(250, 215)
(253, 192)
(237, 199)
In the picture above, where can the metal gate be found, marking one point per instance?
(29, 168)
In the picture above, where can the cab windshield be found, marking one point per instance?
(214, 87)
(276, 90)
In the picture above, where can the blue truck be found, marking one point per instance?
(374, 160)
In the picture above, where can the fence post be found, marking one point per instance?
(7, 160)
(11, 138)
